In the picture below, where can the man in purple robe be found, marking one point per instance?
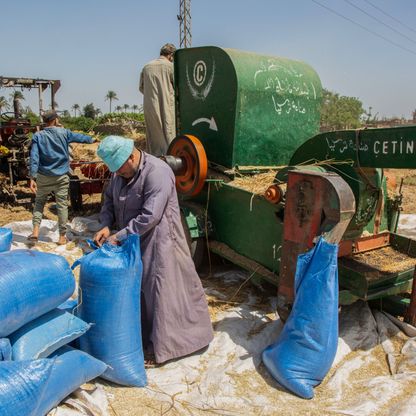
(141, 199)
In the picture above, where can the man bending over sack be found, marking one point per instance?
(141, 199)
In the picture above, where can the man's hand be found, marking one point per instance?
(101, 236)
(113, 240)
(33, 187)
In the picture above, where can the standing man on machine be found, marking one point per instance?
(156, 85)
(141, 199)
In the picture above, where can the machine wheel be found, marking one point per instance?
(75, 195)
(197, 246)
(191, 178)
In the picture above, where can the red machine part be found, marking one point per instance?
(95, 170)
(274, 194)
(317, 203)
(191, 177)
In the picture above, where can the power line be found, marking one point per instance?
(379, 21)
(389, 15)
(364, 28)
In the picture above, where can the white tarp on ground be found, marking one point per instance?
(374, 372)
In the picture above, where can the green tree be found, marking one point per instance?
(126, 107)
(89, 111)
(118, 108)
(340, 112)
(111, 95)
(134, 107)
(4, 104)
(75, 107)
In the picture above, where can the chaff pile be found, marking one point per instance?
(386, 260)
(255, 184)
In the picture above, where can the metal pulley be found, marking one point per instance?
(187, 158)
(274, 194)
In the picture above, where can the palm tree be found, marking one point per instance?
(3, 103)
(126, 107)
(16, 96)
(111, 95)
(134, 107)
(118, 108)
(75, 107)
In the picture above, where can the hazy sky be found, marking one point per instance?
(94, 46)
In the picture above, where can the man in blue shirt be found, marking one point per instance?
(49, 167)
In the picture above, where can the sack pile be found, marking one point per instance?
(37, 368)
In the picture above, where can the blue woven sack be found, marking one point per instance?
(31, 284)
(110, 280)
(5, 349)
(71, 368)
(6, 237)
(33, 388)
(305, 349)
(22, 384)
(44, 335)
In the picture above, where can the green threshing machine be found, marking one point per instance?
(240, 114)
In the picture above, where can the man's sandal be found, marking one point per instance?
(150, 363)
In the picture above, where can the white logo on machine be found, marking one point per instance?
(200, 86)
(200, 73)
(212, 125)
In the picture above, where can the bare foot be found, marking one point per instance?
(62, 240)
(34, 237)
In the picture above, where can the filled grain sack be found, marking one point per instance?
(306, 347)
(44, 335)
(109, 284)
(31, 284)
(34, 387)
(22, 384)
(6, 237)
(71, 368)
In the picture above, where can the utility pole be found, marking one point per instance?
(184, 17)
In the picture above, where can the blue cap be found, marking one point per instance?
(114, 151)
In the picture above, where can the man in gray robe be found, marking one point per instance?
(141, 199)
(156, 85)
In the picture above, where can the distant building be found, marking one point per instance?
(393, 122)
